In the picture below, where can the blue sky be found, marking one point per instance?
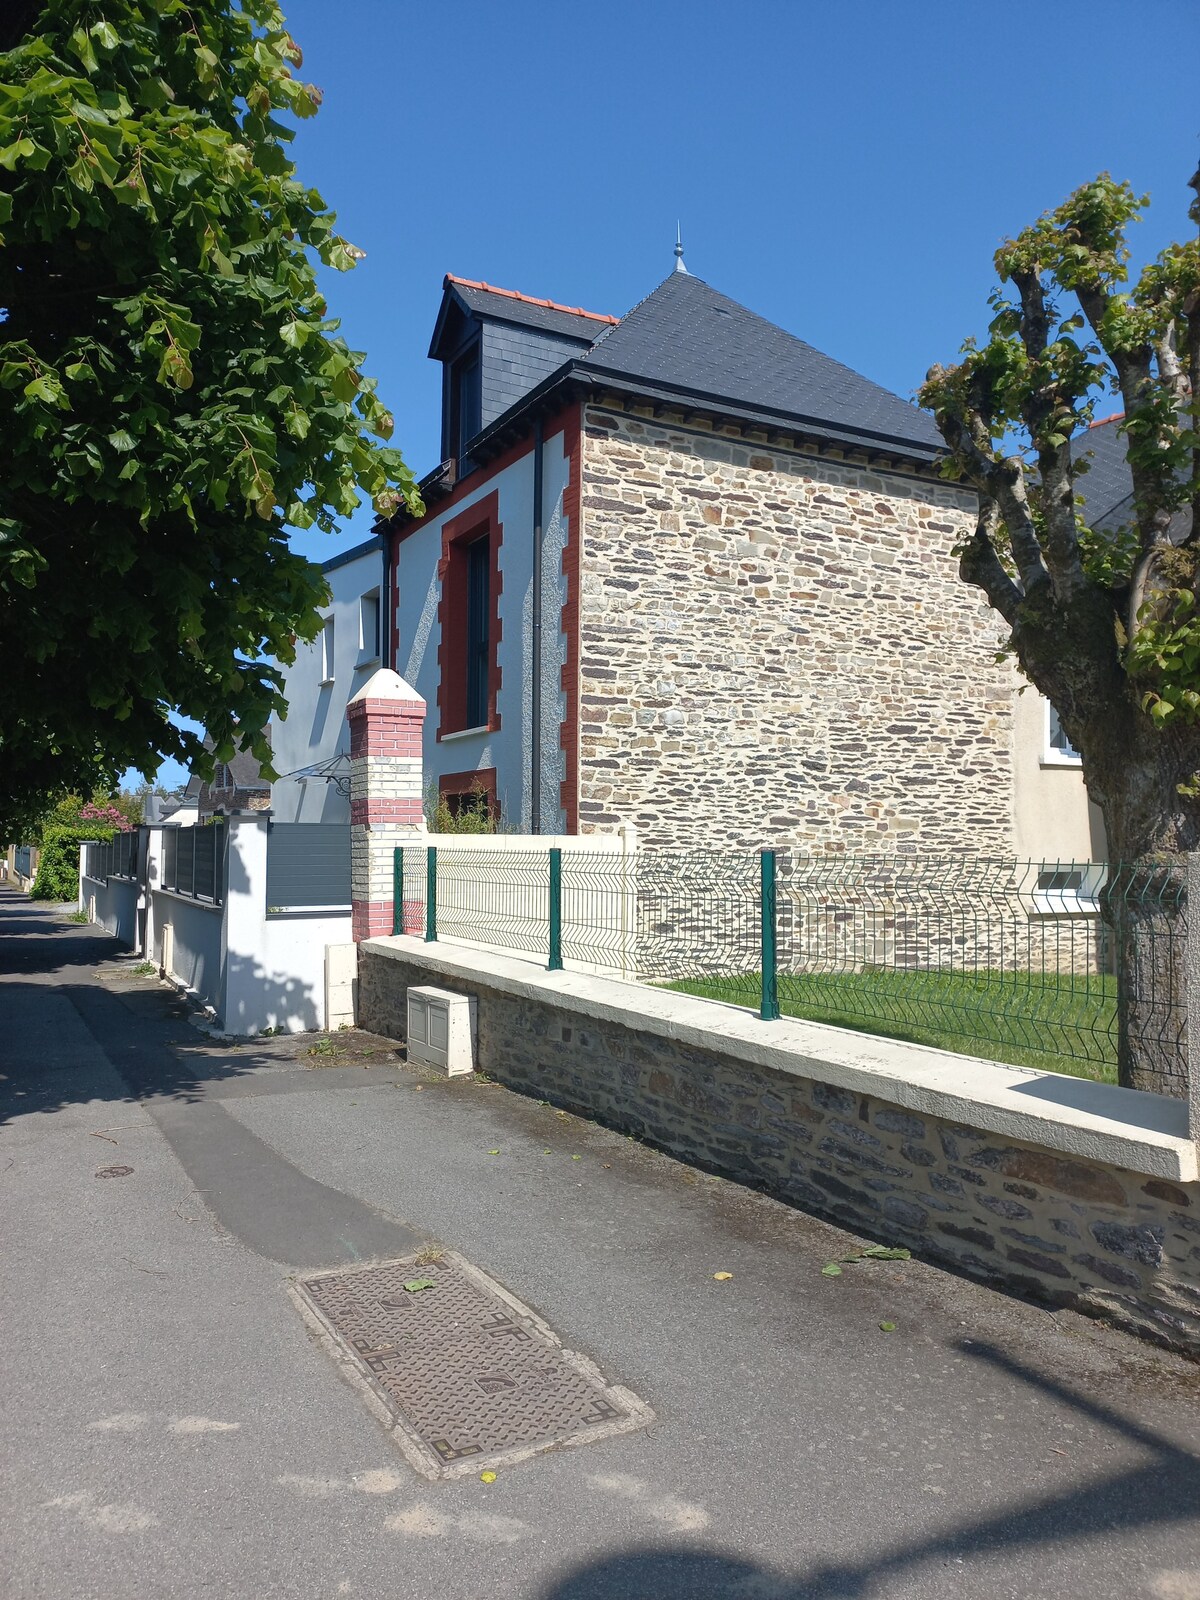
(845, 170)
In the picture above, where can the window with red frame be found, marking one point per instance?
(469, 621)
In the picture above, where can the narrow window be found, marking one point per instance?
(465, 403)
(368, 627)
(327, 651)
(1059, 749)
(478, 605)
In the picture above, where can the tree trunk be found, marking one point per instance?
(1151, 828)
(1145, 905)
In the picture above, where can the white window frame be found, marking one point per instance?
(1080, 899)
(369, 649)
(1051, 755)
(326, 643)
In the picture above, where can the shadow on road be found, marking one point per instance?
(1164, 1490)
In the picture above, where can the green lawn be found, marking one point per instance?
(1066, 1023)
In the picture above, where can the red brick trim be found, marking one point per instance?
(571, 556)
(372, 919)
(385, 728)
(381, 811)
(479, 521)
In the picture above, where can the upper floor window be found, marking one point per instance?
(1058, 750)
(326, 643)
(465, 403)
(479, 571)
(368, 628)
(469, 621)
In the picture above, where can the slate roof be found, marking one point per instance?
(689, 338)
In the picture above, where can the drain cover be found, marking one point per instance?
(470, 1377)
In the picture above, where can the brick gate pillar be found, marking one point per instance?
(386, 793)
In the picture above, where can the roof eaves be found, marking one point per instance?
(585, 373)
(375, 542)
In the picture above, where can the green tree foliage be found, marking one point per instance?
(172, 390)
(1103, 611)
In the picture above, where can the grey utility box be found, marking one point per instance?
(441, 1030)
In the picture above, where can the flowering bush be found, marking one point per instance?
(106, 816)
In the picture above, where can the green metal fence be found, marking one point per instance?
(1014, 961)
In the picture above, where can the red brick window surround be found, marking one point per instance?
(469, 619)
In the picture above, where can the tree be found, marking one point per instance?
(1103, 620)
(172, 392)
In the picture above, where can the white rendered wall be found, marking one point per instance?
(315, 727)
(115, 905)
(194, 956)
(1053, 820)
(508, 749)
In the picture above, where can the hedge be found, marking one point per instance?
(58, 867)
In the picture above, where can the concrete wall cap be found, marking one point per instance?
(384, 684)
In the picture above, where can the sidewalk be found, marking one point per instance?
(174, 1430)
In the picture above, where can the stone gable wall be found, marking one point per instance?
(776, 647)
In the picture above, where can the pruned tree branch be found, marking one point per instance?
(1049, 415)
(980, 565)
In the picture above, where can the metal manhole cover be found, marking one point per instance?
(113, 1172)
(470, 1377)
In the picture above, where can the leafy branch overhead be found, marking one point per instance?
(172, 388)
(1102, 609)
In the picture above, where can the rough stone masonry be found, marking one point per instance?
(1072, 1231)
(776, 645)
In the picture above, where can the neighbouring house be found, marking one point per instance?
(181, 810)
(311, 745)
(236, 785)
(682, 570)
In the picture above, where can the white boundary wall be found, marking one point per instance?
(256, 972)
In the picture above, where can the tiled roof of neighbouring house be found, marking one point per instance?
(1107, 482)
(687, 337)
(1106, 488)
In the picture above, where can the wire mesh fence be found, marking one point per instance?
(1019, 962)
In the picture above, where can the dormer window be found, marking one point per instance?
(466, 395)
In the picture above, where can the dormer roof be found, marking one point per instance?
(465, 297)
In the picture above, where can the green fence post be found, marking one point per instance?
(769, 1009)
(397, 890)
(431, 894)
(555, 962)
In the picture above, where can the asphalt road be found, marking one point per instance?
(173, 1430)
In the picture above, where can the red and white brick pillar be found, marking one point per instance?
(386, 717)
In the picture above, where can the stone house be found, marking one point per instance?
(683, 571)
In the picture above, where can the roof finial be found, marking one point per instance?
(679, 266)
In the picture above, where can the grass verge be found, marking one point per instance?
(1066, 1025)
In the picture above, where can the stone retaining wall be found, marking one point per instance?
(1068, 1230)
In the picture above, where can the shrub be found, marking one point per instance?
(58, 868)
